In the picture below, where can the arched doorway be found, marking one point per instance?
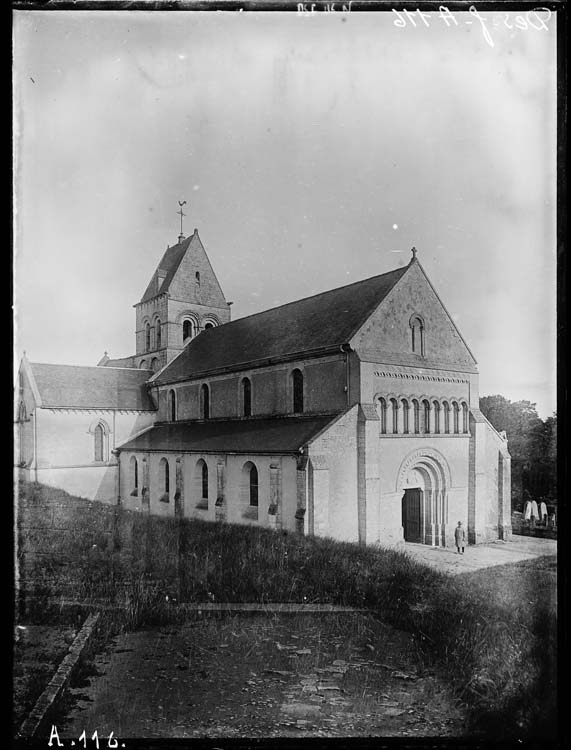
(424, 479)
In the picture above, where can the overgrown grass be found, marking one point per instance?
(500, 657)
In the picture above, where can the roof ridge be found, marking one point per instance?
(312, 296)
(101, 368)
(316, 323)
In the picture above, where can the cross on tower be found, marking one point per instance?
(180, 211)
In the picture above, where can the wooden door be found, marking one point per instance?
(411, 515)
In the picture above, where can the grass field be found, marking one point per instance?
(492, 633)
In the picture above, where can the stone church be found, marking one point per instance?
(351, 414)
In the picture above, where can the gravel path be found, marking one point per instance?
(481, 556)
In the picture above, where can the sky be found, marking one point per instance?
(313, 150)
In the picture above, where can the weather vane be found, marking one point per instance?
(181, 214)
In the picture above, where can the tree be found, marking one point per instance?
(532, 445)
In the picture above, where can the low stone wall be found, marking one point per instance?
(532, 528)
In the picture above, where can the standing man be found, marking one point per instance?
(460, 537)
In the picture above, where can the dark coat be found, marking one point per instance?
(460, 536)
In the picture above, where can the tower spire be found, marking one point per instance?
(181, 235)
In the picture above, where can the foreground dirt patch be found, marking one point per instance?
(263, 676)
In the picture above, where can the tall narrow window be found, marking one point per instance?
(164, 477)
(253, 486)
(395, 415)
(383, 415)
(417, 334)
(464, 417)
(172, 406)
(204, 481)
(416, 416)
(200, 484)
(205, 402)
(425, 417)
(134, 476)
(446, 409)
(297, 386)
(246, 397)
(148, 337)
(99, 440)
(436, 407)
(187, 330)
(197, 278)
(456, 409)
(405, 423)
(158, 334)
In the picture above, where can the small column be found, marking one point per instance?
(220, 505)
(179, 489)
(145, 488)
(301, 492)
(423, 517)
(431, 536)
(275, 508)
(320, 497)
(438, 510)
(118, 477)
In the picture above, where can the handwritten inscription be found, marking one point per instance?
(306, 9)
(534, 20)
(84, 741)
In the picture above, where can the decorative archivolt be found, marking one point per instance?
(187, 315)
(428, 457)
(416, 318)
(386, 396)
(96, 423)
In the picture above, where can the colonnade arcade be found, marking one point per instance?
(411, 415)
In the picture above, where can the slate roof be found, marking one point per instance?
(169, 263)
(119, 362)
(320, 322)
(267, 435)
(92, 387)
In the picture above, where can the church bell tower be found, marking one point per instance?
(182, 298)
